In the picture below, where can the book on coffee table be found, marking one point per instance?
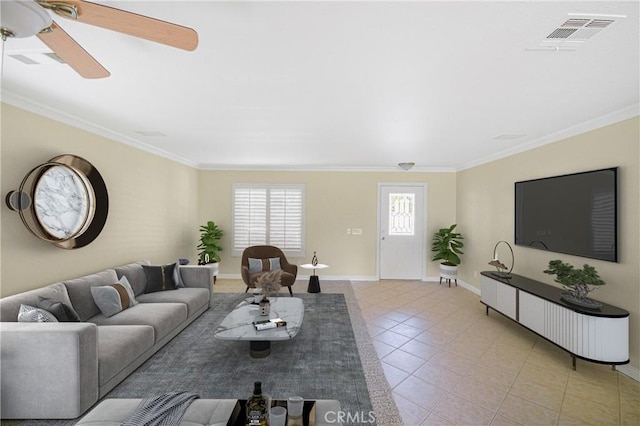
(269, 324)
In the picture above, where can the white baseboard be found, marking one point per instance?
(461, 283)
(469, 287)
(630, 371)
(350, 278)
(306, 277)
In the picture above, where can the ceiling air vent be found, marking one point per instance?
(574, 31)
(24, 59)
(580, 29)
(55, 57)
(37, 58)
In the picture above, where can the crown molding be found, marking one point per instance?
(30, 105)
(346, 169)
(611, 118)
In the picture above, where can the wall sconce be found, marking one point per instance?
(63, 201)
(501, 267)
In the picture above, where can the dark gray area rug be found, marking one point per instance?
(321, 362)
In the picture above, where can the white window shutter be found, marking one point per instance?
(285, 218)
(250, 217)
(268, 214)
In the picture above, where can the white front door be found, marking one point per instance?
(401, 237)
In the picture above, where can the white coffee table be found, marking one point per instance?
(238, 324)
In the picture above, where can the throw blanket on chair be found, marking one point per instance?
(162, 410)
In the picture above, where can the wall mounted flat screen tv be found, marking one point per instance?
(573, 214)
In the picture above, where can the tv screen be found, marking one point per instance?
(573, 214)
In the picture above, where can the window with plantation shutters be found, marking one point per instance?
(268, 214)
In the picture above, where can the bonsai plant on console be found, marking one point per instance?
(447, 247)
(209, 246)
(577, 281)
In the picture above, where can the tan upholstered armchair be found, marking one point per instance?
(265, 259)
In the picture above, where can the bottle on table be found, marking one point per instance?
(257, 409)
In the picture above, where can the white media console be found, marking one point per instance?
(597, 335)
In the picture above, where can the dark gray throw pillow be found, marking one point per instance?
(62, 311)
(159, 278)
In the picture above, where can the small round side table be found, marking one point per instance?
(314, 282)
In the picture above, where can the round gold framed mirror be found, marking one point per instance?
(63, 201)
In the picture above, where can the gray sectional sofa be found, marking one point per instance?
(58, 370)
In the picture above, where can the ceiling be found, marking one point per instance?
(342, 85)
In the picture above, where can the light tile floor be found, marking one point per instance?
(449, 363)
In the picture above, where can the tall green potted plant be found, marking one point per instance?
(209, 246)
(447, 247)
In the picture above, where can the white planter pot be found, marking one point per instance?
(448, 272)
(214, 267)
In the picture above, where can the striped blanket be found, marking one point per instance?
(162, 410)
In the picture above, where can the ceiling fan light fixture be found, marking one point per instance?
(23, 18)
(406, 165)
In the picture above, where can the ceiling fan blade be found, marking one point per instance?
(132, 24)
(72, 53)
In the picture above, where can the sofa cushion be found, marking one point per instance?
(32, 314)
(159, 278)
(163, 317)
(10, 305)
(79, 290)
(135, 275)
(194, 298)
(62, 311)
(119, 346)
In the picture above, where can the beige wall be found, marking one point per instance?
(335, 201)
(152, 204)
(485, 211)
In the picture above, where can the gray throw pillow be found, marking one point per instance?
(255, 265)
(115, 298)
(177, 277)
(62, 311)
(32, 314)
(132, 297)
(274, 263)
(263, 265)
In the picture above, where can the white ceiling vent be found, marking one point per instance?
(37, 58)
(150, 133)
(574, 31)
(580, 29)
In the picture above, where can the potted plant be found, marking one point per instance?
(210, 235)
(577, 281)
(447, 247)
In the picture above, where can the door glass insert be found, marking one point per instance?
(402, 214)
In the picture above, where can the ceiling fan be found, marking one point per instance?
(26, 18)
